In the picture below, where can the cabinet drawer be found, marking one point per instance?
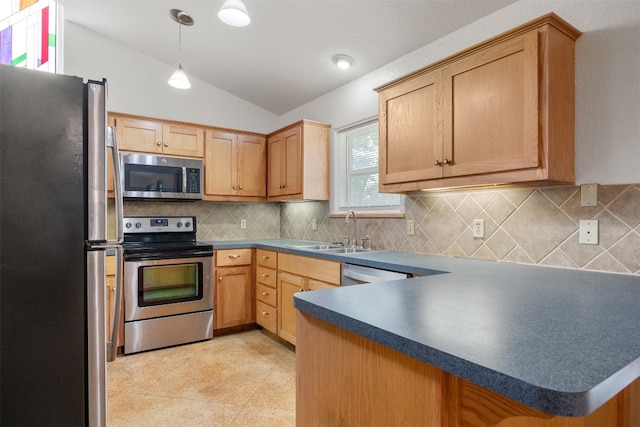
(320, 269)
(266, 316)
(266, 276)
(266, 294)
(229, 257)
(267, 258)
(314, 285)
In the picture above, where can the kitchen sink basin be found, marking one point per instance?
(345, 250)
(319, 247)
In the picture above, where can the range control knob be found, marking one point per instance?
(138, 225)
(187, 224)
(179, 224)
(128, 225)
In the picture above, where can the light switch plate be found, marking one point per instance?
(314, 224)
(589, 195)
(589, 231)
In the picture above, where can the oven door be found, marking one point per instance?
(165, 287)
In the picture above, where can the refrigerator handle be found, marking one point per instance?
(112, 344)
(112, 141)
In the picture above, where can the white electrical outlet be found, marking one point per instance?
(589, 232)
(243, 223)
(589, 195)
(411, 227)
(478, 228)
(314, 224)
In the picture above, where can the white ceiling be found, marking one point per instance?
(283, 58)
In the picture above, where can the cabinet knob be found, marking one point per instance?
(220, 278)
(448, 162)
(241, 187)
(235, 187)
(437, 163)
(166, 144)
(265, 275)
(281, 185)
(265, 313)
(265, 293)
(158, 143)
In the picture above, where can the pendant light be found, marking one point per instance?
(234, 13)
(179, 78)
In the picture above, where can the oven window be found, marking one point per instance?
(166, 284)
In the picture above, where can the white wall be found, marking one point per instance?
(607, 81)
(138, 85)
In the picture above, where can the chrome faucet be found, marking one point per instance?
(355, 227)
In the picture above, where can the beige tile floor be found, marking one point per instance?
(243, 379)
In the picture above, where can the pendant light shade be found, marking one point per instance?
(234, 13)
(179, 78)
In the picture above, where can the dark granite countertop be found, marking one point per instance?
(558, 340)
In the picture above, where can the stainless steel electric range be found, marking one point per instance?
(168, 294)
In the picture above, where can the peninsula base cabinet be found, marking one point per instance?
(405, 391)
(300, 274)
(234, 304)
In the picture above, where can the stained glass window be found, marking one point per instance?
(28, 34)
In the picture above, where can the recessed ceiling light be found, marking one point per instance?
(343, 62)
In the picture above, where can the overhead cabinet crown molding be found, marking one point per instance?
(500, 112)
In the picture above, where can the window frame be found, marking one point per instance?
(340, 175)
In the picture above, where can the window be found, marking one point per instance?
(28, 34)
(355, 173)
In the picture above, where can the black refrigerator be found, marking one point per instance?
(53, 244)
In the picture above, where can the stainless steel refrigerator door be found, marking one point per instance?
(96, 336)
(96, 262)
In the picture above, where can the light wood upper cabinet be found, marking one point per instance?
(156, 137)
(298, 162)
(499, 112)
(235, 166)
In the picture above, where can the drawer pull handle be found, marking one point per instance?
(234, 256)
(265, 275)
(265, 293)
(265, 256)
(265, 313)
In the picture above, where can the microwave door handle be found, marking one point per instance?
(184, 180)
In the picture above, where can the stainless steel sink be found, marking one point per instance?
(346, 250)
(319, 247)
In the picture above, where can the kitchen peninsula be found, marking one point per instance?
(486, 344)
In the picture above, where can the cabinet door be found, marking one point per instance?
(233, 297)
(221, 165)
(276, 162)
(410, 137)
(293, 161)
(491, 99)
(182, 141)
(288, 285)
(252, 165)
(139, 135)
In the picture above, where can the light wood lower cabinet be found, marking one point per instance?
(266, 290)
(234, 303)
(300, 274)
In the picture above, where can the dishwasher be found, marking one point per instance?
(357, 275)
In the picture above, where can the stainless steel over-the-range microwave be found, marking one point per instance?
(147, 176)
